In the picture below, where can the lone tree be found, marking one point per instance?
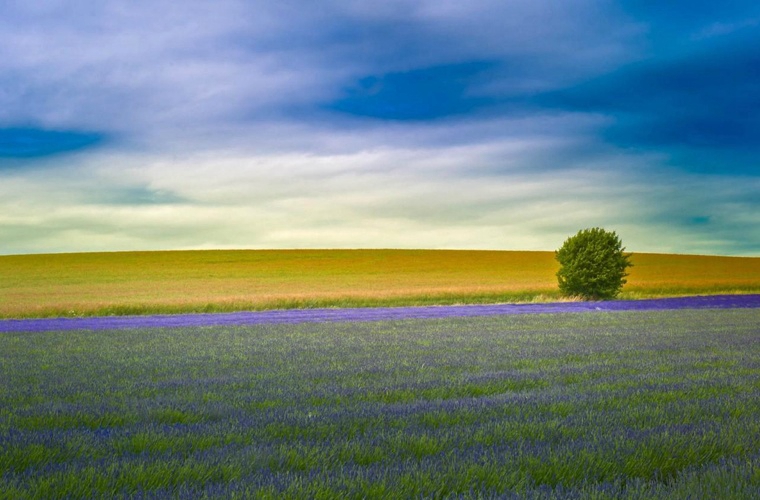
(592, 264)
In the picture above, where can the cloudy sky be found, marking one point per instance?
(486, 124)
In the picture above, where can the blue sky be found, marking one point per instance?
(400, 124)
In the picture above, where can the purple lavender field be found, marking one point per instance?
(658, 402)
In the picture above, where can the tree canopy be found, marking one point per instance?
(593, 264)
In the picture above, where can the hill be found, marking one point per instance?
(228, 280)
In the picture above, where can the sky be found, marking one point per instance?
(442, 124)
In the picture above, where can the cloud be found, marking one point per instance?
(202, 66)
(411, 123)
(697, 107)
(388, 197)
(717, 85)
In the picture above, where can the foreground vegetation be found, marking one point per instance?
(220, 281)
(658, 404)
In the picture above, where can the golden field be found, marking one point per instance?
(230, 280)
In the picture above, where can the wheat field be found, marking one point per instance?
(229, 280)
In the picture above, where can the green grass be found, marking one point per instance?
(123, 283)
(600, 405)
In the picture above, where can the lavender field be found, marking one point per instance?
(654, 403)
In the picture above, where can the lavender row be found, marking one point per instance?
(293, 316)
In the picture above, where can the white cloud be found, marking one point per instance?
(384, 197)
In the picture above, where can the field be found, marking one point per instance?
(659, 404)
(216, 281)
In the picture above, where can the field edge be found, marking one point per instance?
(348, 302)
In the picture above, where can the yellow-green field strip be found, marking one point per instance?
(129, 283)
(364, 314)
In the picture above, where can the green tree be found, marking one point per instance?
(593, 264)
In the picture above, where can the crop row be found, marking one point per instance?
(377, 313)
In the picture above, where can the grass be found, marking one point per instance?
(600, 405)
(219, 281)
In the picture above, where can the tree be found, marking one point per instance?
(592, 264)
